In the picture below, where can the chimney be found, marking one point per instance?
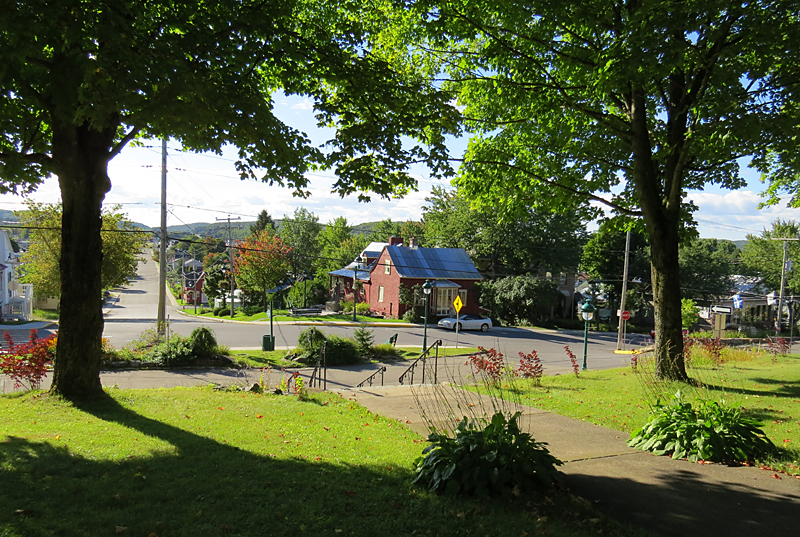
(412, 243)
(395, 241)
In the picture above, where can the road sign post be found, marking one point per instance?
(457, 304)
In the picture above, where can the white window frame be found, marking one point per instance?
(387, 266)
(380, 294)
(444, 300)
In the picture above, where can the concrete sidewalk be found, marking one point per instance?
(664, 496)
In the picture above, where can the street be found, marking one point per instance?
(134, 309)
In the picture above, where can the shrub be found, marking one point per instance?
(362, 308)
(176, 351)
(489, 363)
(530, 367)
(384, 350)
(499, 459)
(410, 316)
(710, 431)
(341, 351)
(311, 339)
(364, 340)
(202, 342)
(221, 310)
(26, 363)
(252, 310)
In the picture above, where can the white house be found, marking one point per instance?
(16, 299)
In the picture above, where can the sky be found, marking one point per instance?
(203, 188)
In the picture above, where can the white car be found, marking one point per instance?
(466, 322)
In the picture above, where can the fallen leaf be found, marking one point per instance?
(775, 476)
(120, 529)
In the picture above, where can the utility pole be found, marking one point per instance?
(161, 324)
(779, 317)
(621, 329)
(230, 254)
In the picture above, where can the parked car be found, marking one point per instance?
(466, 322)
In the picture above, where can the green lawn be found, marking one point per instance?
(621, 398)
(193, 461)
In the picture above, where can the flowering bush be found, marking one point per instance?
(26, 363)
(488, 362)
(530, 367)
(574, 360)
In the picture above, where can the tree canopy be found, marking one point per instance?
(527, 241)
(627, 105)
(122, 246)
(260, 262)
(762, 256)
(81, 80)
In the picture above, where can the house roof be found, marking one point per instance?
(374, 249)
(348, 272)
(433, 263)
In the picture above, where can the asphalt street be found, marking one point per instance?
(133, 309)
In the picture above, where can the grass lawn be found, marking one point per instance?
(192, 461)
(620, 398)
(276, 359)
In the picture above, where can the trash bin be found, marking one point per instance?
(267, 343)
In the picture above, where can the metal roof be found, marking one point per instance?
(433, 263)
(363, 273)
(374, 249)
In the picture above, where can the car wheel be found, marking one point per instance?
(484, 327)
(459, 328)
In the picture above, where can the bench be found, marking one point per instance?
(305, 311)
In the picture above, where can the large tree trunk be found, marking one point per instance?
(661, 205)
(665, 273)
(81, 156)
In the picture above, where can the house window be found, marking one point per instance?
(444, 300)
(380, 294)
(463, 294)
(387, 269)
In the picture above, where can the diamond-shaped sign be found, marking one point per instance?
(457, 304)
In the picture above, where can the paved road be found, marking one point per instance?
(133, 310)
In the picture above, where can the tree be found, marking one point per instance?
(707, 268)
(263, 222)
(301, 232)
(525, 242)
(519, 299)
(338, 247)
(762, 256)
(260, 262)
(623, 104)
(603, 260)
(121, 242)
(81, 80)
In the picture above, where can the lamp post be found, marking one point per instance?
(426, 288)
(587, 313)
(359, 259)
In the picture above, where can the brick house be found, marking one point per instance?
(450, 270)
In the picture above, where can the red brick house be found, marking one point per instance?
(450, 270)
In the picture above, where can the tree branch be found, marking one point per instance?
(30, 158)
(550, 182)
(122, 143)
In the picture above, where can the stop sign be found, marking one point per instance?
(625, 315)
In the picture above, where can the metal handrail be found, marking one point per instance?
(423, 357)
(370, 378)
(321, 366)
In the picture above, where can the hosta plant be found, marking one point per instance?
(709, 431)
(498, 459)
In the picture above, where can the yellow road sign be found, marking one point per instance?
(457, 304)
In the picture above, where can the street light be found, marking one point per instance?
(587, 313)
(426, 288)
(359, 259)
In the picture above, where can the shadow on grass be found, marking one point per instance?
(198, 487)
(786, 389)
(203, 486)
